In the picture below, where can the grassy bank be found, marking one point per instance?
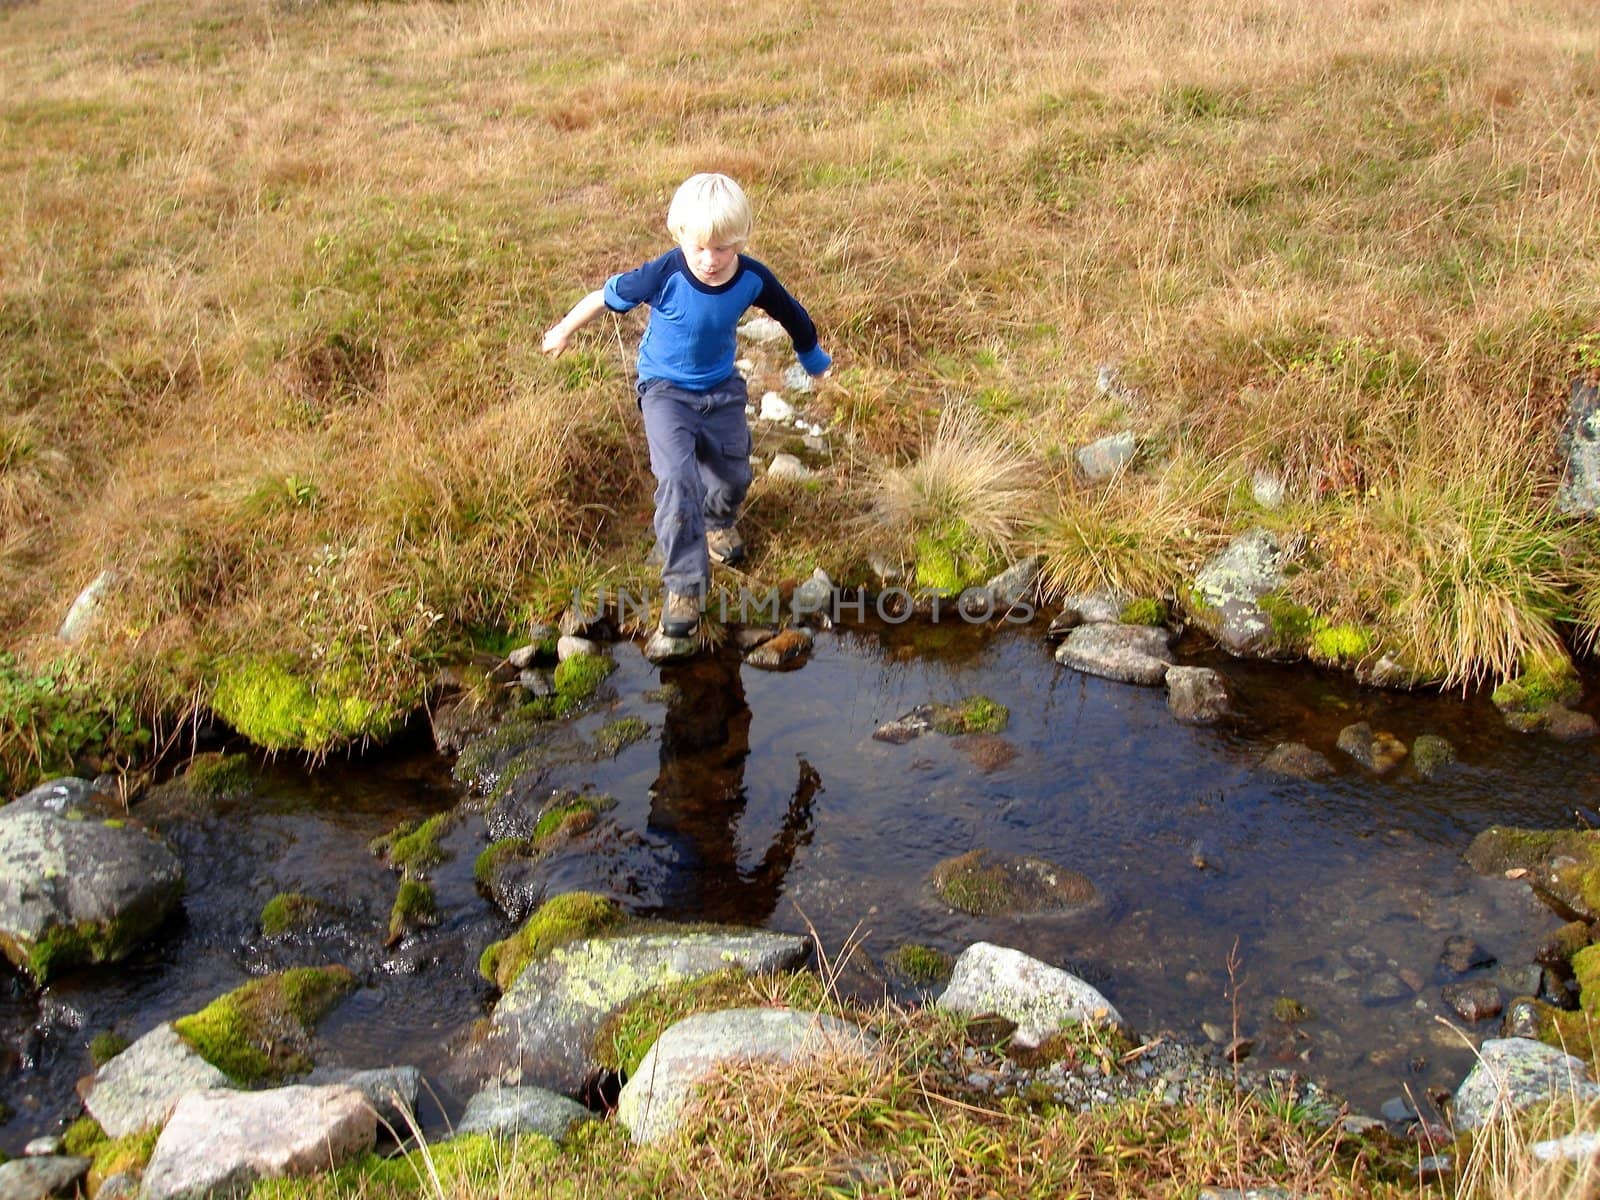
(276, 275)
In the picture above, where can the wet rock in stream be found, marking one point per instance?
(985, 883)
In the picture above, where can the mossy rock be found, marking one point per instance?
(1289, 1010)
(1292, 623)
(219, 776)
(412, 846)
(279, 708)
(611, 740)
(259, 1033)
(82, 1137)
(983, 883)
(1144, 612)
(127, 1155)
(578, 679)
(564, 919)
(291, 912)
(568, 815)
(495, 855)
(415, 907)
(922, 965)
(106, 1045)
(976, 714)
(1536, 690)
(1338, 645)
(1563, 866)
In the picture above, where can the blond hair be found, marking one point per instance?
(710, 207)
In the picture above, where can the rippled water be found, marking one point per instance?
(762, 798)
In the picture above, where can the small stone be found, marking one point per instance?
(1297, 761)
(42, 1147)
(1476, 1000)
(570, 647)
(1104, 458)
(1462, 954)
(762, 330)
(80, 618)
(522, 657)
(1521, 1020)
(509, 1111)
(1379, 752)
(1196, 695)
(1239, 1049)
(1567, 725)
(781, 650)
(660, 648)
(1430, 754)
(788, 467)
(903, 729)
(749, 637)
(1384, 988)
(775, 408)
(1397, 1110)
(814, 595)
(1267, 488)
(797, 379)
(536, 683)
(1215, 1033)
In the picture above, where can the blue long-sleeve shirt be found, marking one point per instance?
(691, 339)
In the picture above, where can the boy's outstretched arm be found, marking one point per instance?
(584, 311)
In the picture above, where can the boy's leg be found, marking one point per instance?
(724, 453)
(671, 425)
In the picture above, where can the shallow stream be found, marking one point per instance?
(762, 798)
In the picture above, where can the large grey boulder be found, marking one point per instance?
(1228, 591)
(1040, 999)
(80, 882)
(686, 1054)
(219, 1143)
(1579, 493)
(139, 1088)
(1126, 653)
(510, 1111)
(1517, 1073)
(554, 1008)
(40, 1178)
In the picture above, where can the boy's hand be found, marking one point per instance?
(555, 341)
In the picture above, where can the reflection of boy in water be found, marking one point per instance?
(699, 796)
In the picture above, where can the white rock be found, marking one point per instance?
(219, 1143)
(1041, 999)
(787, 466)
(1573, 1147)
(508, 1111)
(798, 379)
(775, 408)
(140, 1087)
(80, 617)
(1268, 488)
(762, 329)
(653, 1099)
(571, 647)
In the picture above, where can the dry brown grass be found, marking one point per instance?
(315, 241)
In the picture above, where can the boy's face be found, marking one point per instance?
(712, 260)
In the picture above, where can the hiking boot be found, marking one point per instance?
(680, 617)
(725, 546)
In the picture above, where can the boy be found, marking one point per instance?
(692, 398)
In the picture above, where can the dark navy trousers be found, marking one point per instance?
(700, 454)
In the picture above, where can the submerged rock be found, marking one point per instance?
(689, 1052)
(905, 728)
(1039, 998)
(1431, 754)
(80, 881)
(1475, 1000)
(1517, 1073)
(1562, 866)
(1379, 752)
(985, 883)
(554, 1008)
(1297, 761)
(1124, 653)
(220, 1143)
(1197, 695)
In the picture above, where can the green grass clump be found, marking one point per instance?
(1292, 623)
(218, 776)
(921, 964)
(52, 718)
(976, 714)
(626, 1036)
(563, 919)
(414, 906)
(474, 1164)
(578, 679)
(126, 1155)
(611, 740)
(289, 912)
(1143, 612)
(83, 1137)
(279, 709)
(412, 846)
(106, 1045)
(258, 1033)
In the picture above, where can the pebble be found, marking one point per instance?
(787, 466)
(775, 408)
(798, 379)
(571, 647)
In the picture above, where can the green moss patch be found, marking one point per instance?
(578, 679)
(611, 740)
(497, 854)
(82, 1137)
(258, 1033)
(1535, 690)
(219, 776)
(1144, 612)
(64, 946)
(1338, 645)
(1289, 1010)
(921, 964)
(567, 815)
(975, 714)
(475, 1164)
(1292, 624)
(415, 907)
(106, 1045)
(564, 919)
(412, 846)
(291, 912)
(279, 709)
(1564, 865)
(127, 1155)
(983, 883)
(627, 1035)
